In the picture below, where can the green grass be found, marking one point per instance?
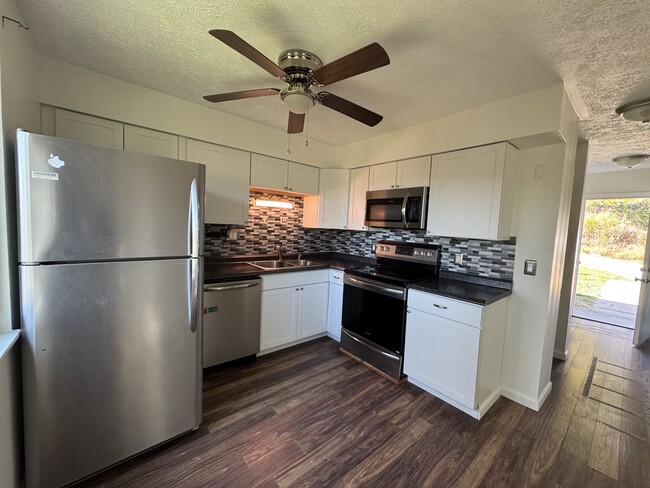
(590, 282)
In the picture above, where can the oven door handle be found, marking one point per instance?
(375, 286)
(369, 345)
(404, 203)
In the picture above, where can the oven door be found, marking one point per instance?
(375, 311)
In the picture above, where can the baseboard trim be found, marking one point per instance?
(528, 401)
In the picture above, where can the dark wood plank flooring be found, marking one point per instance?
(311, 416)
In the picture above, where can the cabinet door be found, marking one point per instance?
(334, 310)
(312, 309)
(442, 354)
(279, 317)
(382, 176)
(357, 198)
(333, 199)
(268, 172)
(227, 174)
(85, 128)
(149, 141)
(303, 179)
(414, 172)
(465, 197)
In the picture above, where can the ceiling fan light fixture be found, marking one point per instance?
(637, 111)
(630, 161)
(298, 102)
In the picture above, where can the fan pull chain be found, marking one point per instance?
(307, 129)
(288, 143)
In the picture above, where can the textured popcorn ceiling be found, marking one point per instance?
(446, 55)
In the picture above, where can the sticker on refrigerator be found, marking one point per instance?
(210, 310)
(45, 175)
(55, 161)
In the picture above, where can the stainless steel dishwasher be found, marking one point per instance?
(231, 320)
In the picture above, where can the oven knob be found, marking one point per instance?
(416, 252)
(429, 253)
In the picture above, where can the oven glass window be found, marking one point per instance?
(377, 317)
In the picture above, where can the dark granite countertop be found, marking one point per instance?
(234, 268)
(481, 291)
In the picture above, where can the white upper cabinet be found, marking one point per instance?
(357, 198)
(227, 174)
(279, 174)
(472, 191)
(147, 141)
(85, 128)
(302, 179)
(413, 172)
(330, 209)
(268, 172)
(382, 176)
(400, 174)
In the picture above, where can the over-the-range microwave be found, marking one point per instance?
(399, 208)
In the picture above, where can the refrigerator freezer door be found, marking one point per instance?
(111, 365)
(79, 202)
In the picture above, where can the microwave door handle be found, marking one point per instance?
(404, 202)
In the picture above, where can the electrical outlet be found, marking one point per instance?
(232, 234)
(458, 259)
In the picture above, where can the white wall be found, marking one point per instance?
(566, 298)
(538, 204)
(19, 108)
(528, 116)
(635, 181)
(81, 90)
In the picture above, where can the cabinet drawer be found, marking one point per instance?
(336, 276)
(448, 308)
(296, 278)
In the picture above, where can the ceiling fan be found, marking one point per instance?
(302, 70)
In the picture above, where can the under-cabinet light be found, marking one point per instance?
(273, 203)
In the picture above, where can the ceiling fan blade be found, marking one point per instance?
(296, 123)
(367, 58)
(224, 97)
(348, 108)
(242, 47)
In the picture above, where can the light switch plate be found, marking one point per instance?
(530, 267)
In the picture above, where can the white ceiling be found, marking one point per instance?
(446, 55)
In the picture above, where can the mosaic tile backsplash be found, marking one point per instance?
(268, 227)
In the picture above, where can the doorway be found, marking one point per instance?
(612, 249)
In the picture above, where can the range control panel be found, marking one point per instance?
(409, 251)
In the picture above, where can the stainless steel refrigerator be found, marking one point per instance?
(110, 251)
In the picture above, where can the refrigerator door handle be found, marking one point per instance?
(195, 229)
(195, 266)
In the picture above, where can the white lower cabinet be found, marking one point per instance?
(294, 308)
(454, 350)
(335, 307)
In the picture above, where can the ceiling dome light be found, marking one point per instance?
(297, 99)
(638, 111)
(631, 160)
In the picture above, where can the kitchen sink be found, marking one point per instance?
(303, 262)
(271, 264)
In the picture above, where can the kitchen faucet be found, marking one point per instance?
(279, 248)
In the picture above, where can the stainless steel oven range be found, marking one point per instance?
(374, 303)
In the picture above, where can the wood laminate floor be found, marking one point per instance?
(311, 416)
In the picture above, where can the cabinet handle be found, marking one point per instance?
(301, 289)
(297, 289)
(285, 188)
(396, 186)
(408, 311)
(337, 277)
(440, 306)
(392, 186)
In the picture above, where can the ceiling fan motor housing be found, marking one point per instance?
(299, 64)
